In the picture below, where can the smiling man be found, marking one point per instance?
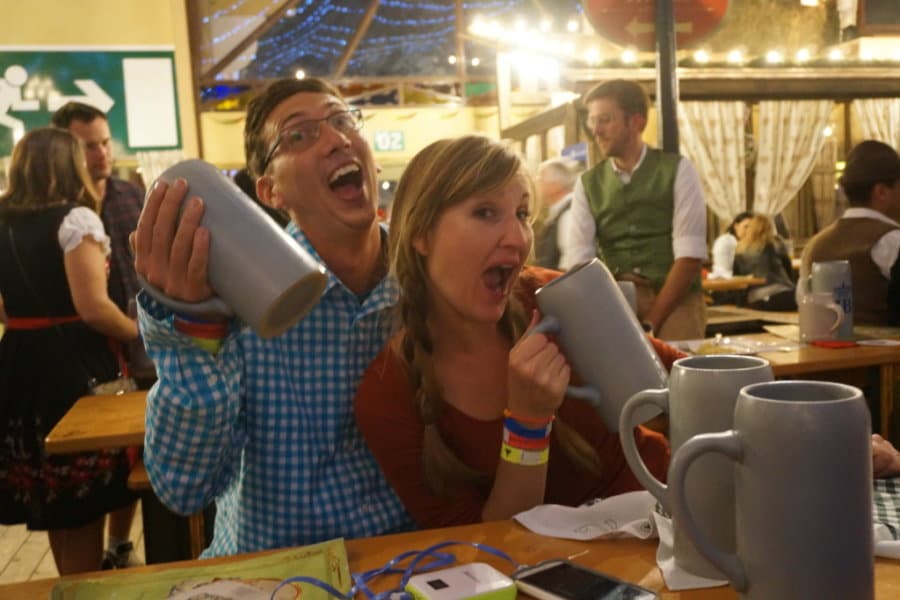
(641, 211)
(265, 428)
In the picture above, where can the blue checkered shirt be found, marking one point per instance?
(265, 427)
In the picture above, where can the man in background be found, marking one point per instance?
(120, 208)
(867, 234)
(641, 211)
(556, 179)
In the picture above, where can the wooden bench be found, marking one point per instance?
(139, 481)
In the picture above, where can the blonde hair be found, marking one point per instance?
(442, 175)
(48, 167)
(760, 232)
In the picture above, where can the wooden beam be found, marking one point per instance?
(460, 50)
(191, 10)
(210, 76)
(358, 35)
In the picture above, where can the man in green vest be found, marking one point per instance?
(867, 234)
(641, 211)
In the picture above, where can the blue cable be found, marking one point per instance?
(418, 564)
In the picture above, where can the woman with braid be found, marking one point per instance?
(464, 412)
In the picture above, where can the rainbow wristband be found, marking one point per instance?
(208, 335)
(524, 443)
(525, 458)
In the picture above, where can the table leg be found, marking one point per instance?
(169, 537)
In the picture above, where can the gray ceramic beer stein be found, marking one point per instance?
(700, 398)
(803, 492)
(834, 277)
(259, 272)
(602, 339)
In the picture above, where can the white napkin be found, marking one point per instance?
(625, 515)
(885, 544)
(629, 515)
(675, 577)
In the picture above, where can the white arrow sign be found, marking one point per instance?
(637, 28)
(93, 95)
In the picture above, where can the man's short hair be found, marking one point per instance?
(75, 111)
(255, 144)
(868, 164)
(561, 170)
(630, 96)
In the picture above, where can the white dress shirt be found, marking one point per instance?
(578, 239)
(884, 252)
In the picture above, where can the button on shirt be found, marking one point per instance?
(266, 427)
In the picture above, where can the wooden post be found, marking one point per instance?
(667, 75)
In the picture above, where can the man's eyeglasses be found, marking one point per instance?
(301, 136)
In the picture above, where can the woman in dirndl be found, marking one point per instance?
(59, 320)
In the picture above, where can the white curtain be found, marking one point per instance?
(712, 136)
(879, 119)
(154, 163)
(791, 134)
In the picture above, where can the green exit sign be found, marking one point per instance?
(389, 141)
(134, 86)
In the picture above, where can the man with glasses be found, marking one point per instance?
(641, 211)
(867, 234)
(265, 427)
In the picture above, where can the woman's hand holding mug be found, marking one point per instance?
(538, 376)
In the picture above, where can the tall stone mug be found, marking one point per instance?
(258, 272)
(700, 398)
(802, 457)
(834, 277)
(602, 339)
(819, 316)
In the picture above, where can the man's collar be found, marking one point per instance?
(294, 231)
(637, 165)
(864, 212)
(559, 206)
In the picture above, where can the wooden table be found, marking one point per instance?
(813, 361)
(99, 423)
(116, 421)
(629, 559)
(740, 282)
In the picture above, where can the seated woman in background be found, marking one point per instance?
(761, 253)
(724, 247)
(460, 379)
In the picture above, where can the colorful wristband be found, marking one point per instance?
(528, 458)
(515, 441)
(527, 432)
(208, 335)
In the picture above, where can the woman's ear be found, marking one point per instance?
(420, 244)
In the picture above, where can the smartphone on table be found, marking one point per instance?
(564, 580)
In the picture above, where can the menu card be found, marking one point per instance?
(244, 578)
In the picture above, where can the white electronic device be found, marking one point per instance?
(564, 580)
(473, 580)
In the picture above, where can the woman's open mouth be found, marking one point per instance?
(498, 279)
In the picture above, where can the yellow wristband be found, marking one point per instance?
(528, 458)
